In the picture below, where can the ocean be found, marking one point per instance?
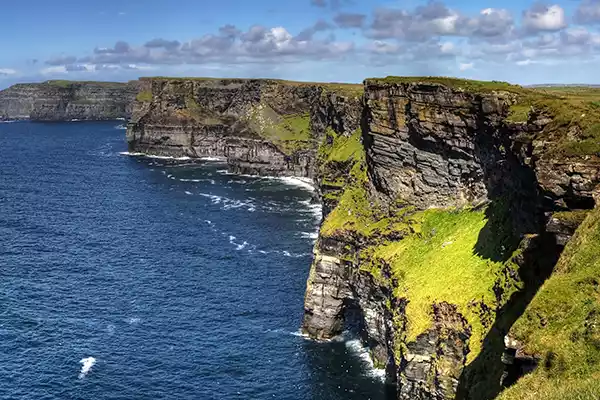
(129, 277)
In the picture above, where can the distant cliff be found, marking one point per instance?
(447, 206)
(261, 126)
(67, 100)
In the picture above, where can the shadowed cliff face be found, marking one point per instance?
(66, 101)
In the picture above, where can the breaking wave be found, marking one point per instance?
(88, 363)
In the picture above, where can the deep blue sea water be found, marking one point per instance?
(172, 278)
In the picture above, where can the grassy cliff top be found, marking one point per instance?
(66, 83)
(455, 83)
(350, 89)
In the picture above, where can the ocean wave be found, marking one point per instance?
(356, 347)
(121, 127)
(88, 363)
(230, 204)
(188, 193)
(309, 235)
(127, 153)
(304, 183)
(211, 181)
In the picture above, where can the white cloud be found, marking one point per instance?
(544, 18)
(7, 71)
(525, 62)
(466, 66)
(59, 69)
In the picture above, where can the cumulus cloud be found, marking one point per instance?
(335, 4)
(162, 43)
(229, 45)
(435, 19)
(7, 71)
(588, 12)
(61, 60)
(541, 17)
(350, 20)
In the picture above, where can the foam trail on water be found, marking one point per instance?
(126, 153)
(356, 347)
(304, 183)
(88, 363)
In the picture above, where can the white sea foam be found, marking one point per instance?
(309, 235)
(242, 246)
(188, 193)
(120, 127)
(126, 153)
(214, 159)
(356, 347)
(88, 363)
(133, 321)
(304, 183)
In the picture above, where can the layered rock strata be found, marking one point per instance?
(66, 101)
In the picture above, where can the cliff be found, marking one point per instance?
(447, 206)
(264, 127)
(66, 101)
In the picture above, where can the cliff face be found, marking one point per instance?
(447, 204)
(261, 126)
(65, 101)
(441, 245)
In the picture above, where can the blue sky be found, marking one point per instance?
(315, 40)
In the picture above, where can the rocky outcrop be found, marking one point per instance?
(66, 101)
(259, 126)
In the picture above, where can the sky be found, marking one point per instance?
(521, 42)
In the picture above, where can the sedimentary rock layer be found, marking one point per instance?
(66, 101)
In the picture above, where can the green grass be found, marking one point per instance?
(290, 133)
(66, 84)
(438, 263)
(456, 83)
(144, 96)
(562, 323)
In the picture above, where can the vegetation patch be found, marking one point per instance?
(290, 133)
(144, 96)
(561, 326)
(437, 263)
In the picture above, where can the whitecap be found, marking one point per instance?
(241, 246)
(88, 363)
(188, 193)
(126, 153)
(120, 127)
(214, 159)
(133, 321)
(309, 235)
(356, 347)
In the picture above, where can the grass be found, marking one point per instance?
(66, 84)
(437, 263)
(290, 133)
(456, 83)
(144, 96)
(562, 323)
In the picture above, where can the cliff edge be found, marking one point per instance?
(68, 100)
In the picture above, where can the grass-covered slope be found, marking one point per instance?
(562, 325)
